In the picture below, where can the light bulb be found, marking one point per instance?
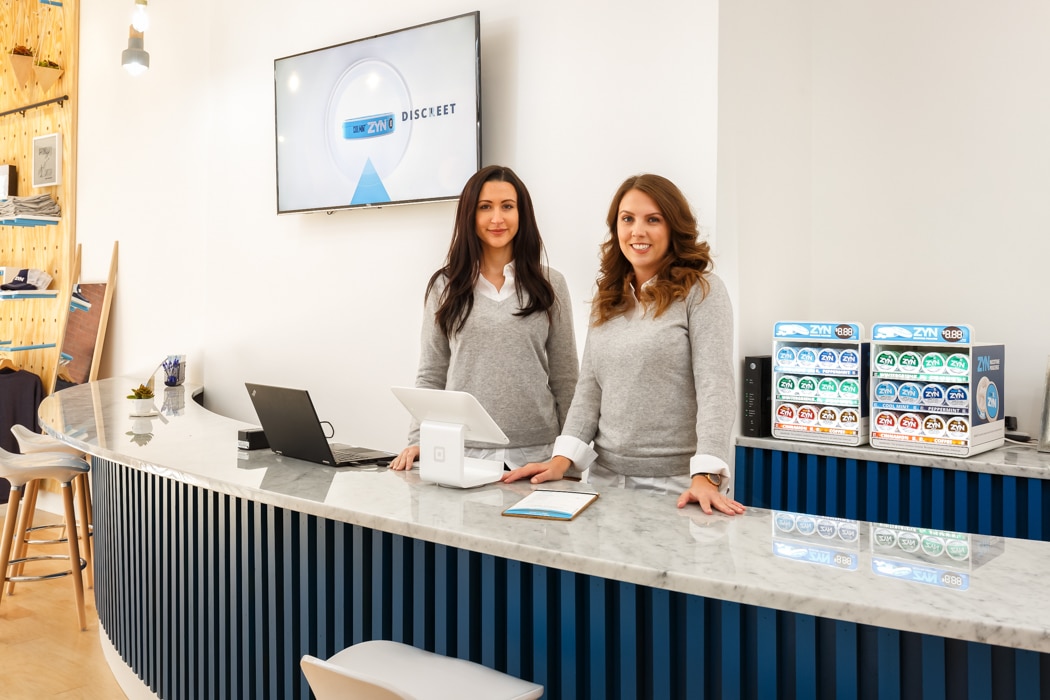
(139, 16)
(135, 69)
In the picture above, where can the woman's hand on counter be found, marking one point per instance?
(540, 472)
(404, 460)
(708, 496)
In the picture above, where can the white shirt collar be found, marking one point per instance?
(638, 310)
(488, 290)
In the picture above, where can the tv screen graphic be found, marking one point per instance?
(390, 119)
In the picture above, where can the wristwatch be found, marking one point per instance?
(715, 479)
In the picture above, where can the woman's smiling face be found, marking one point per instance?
(643, 234)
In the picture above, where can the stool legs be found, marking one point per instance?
(25, 521)
(8, 536)
(18, 511)
(87, 545)
(74, 552)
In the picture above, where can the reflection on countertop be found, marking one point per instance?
(909, 554)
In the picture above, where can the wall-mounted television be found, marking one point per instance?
(389, 119)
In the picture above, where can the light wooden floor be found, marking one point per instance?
(43, 653)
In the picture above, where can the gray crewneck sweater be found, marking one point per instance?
(643, 379)
(523, 370)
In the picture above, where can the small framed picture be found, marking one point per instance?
(47, 160)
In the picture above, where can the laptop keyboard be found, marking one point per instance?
(348, 453)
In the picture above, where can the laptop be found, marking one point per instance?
(289, 420)
(446, 419)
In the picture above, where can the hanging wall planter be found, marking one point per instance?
(47, 74)
(22, 63)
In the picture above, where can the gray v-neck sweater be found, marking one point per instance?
(655, 391)
(523, 370)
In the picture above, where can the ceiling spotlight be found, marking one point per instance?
(139, 17)
(135, 59)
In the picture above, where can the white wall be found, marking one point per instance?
(765, 161)
(850, 137)
(915, 188)
(932, 171)
(178, 165)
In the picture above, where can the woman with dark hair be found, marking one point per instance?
(498, 323)
(655, 393)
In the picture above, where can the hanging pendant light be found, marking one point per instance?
(135, 59)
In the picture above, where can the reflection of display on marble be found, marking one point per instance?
(918, 555)
(932, 557)
(816, 539)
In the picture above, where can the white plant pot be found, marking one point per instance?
(141, 407)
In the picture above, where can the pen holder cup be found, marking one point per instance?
(174, 370)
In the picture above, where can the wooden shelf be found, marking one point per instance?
(30, 221)
(18, 348)
(30, 294)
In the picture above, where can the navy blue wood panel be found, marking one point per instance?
(209, 596)
(900, 494)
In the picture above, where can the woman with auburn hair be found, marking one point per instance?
(498, 323)
(655, 393)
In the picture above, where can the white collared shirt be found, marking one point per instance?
(488, 290)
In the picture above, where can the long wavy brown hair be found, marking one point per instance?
(688, 258)
(463, 262)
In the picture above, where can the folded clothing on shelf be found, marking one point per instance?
(37, 205)
(27, 278)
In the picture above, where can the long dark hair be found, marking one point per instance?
(463, 263)
(687, 260)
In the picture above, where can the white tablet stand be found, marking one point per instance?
(446, 420)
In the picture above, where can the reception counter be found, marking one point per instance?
(217, 569)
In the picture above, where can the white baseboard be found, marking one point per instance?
(127, 679)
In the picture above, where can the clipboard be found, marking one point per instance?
(551, 504)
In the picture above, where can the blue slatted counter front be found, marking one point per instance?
(896, 488)
(207, 595)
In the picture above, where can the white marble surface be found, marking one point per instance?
(627, 536)
(1008, 460)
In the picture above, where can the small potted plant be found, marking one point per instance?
(141, 400)
(22, 61)
(47, 73)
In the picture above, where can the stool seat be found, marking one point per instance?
(60, 466)
(29, 442)
(383, 669)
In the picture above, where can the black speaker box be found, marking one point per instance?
(252, 439)
(757, 396)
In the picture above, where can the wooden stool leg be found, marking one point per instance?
(20, 547)
(83, 499)
(7, 540)
(74, 552)
(90, 508)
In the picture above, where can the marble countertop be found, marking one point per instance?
(1008, 460)
(628, 536)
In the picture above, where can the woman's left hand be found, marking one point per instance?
(708, 496)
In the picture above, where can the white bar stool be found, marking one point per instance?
(29, 443)
(382, 670)
(21, 470)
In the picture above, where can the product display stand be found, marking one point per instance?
(820, 382)
(934, 390)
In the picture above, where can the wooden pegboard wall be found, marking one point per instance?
(51, 31)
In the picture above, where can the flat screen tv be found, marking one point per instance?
(390, 119)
